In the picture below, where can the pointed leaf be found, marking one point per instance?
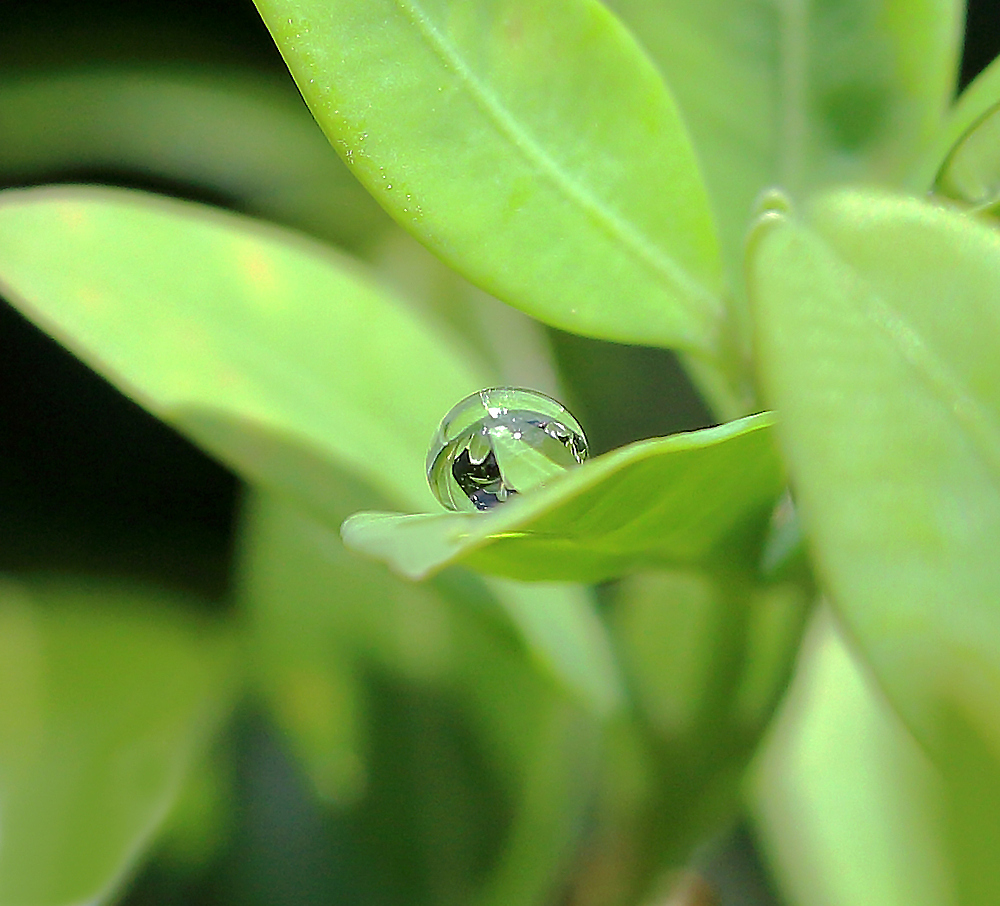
(672, 500)
(105, 698)
(963, 163)
(878, 334)
(532, 147)
(279, 356)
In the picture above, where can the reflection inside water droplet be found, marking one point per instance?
(500, 442)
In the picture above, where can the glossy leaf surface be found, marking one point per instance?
(258, 343)
(534, 148)
(667, 501)
(106, 695)
(878, 329)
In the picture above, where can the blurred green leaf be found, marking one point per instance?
(562, 629)
(228, 131)
(511, 346)
(848, 807)
(943, 164)
(263, 351)
(106, 695)
(800, 94)
(277, 355)
(963, 163)
(342, 645)
(878, 333)
(971, 173)
(532, 147)
(706, 658)
(668, 501)
(202, 821)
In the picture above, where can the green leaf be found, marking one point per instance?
(225, 130)
(847, 805)
(107, 695)
(340, 641)
(508, 344)
(561, 627)
(963, 163)
(276, 354)
(532, 147)
(797, 94)
(292, 562)
(878, 334)
(667, 501)
(707, 657)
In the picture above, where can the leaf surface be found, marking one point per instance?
(667, 501)
(878, 330)
(342, 646)
(534, 148)
(279, 356)
(229, 132)
(963, 162)
(106, 698)
(847, 805)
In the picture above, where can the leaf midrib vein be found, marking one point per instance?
(637, 242)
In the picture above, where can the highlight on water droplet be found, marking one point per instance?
(500, 442)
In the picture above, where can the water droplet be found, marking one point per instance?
(500, 442)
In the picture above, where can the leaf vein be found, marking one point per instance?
(637, 242)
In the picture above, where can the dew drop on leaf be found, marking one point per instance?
(500, 442)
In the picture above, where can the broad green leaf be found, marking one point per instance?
(277, 355)
(106, 695)
(800, 93)
(533, 147)
(230, 132)
(341, 645)
(963, 162)
(264, 353)
(667, 501)
(848, 807)
(878, 330)
(971, 781)
(292, 563)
